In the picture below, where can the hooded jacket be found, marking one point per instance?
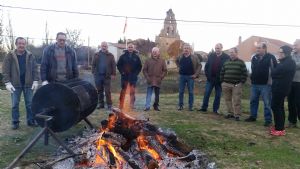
(154, 71)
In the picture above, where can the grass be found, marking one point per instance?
(231, 144)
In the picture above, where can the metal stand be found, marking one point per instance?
(89, 123)
(45, 131)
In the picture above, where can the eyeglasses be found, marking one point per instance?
(61, 40)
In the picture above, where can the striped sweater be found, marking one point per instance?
(234, 71)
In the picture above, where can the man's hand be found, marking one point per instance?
(45, 83)
(194, 76)
(10, 87)
(35, 85)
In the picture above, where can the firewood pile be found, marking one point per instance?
(124, 142)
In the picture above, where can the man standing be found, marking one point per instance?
(233, 76)
(293, 98)
(20, 75)
(212, 71)
(129, 66)
(189, 69)
(154, 71)
(261, 65)
(104, 69)
(58, 62)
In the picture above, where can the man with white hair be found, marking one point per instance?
(154, 71)
(189, 69)
(104, 70)
(293, 100)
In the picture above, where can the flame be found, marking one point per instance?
(102, 156)
(126, 104)
(160, 139)
(143, 145)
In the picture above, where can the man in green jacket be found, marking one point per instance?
(233, 75)
(20, 75)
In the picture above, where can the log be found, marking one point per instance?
(127, 158)
(150, 162)
(160, 149)
(114, 138)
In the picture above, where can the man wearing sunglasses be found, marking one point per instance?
(58, 61)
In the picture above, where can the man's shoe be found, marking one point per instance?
(191, 109)
(203, 110)
(250, 119)
(180, 108)
(278, 132)
(15, 126)
(237, 118)
(229, 116)
(291, 125)
(156, 108)
(217, 113)
(268, 124)
(100, 106)
(147, 109)
(32, 124)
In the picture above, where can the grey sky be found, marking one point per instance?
(203, 36)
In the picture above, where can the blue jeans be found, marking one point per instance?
(189, 81)
(208, 89)
(15, 100)
(265, 92)
(149, 95)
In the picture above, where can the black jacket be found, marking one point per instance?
(208, 67)
(282, 76)
(260, 68)
(129, 67)
(49, 64)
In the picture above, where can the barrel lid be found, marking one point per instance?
(57, 100)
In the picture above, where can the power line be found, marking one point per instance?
(149, 18)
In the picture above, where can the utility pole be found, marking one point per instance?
(88, 65)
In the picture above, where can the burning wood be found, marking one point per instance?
(126, 142)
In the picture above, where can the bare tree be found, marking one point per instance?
(10, 39)
(2, 50)
(73, 38)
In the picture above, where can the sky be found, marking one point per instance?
(203, 36)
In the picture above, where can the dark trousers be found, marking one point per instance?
(294, 103)
(127, 88)
(277, 106)
(149, 95)
(103, 85)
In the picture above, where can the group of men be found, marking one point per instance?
(226, 73)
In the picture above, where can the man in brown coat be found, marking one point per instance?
(154, 71)
(104, 69)
(20, 75)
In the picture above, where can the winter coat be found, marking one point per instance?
(110, 64)
(196, 64)
(11, 71)
(209, 64)
(49, 64)
(129, 67)
(154, 71)
(282, 76)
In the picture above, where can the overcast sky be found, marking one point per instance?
(204, 36)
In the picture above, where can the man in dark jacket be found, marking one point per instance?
(20, 75)
(261, 65)
(129, 66)
(282, 76)
(58, 62)
(212, 70)
(104, 69)
(189, 69)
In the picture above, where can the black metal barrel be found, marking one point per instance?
(68, 102)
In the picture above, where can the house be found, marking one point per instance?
(116, 49)
(248, 47)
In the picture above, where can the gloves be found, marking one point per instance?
(35, 85)
(10, 87)
(45, 83)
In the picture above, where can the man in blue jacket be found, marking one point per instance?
(129, 65)
(58, 62)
